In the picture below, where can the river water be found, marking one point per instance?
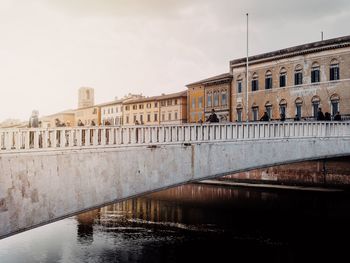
(196, 223)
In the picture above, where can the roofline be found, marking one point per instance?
(313, 47)
(158, 98)
(217, 78)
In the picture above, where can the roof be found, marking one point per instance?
(157, 98)
(296, 50)
(110, 103)
(58, 113)
(223, 76)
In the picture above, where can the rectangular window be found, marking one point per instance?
(298, 78)
(127, 119)
(315, 106)
(169, 116)
(239, 87)
(209, 104)
(155, 117)
(141, 119)
(127, 108)
(163, 103)
(298, 110)
(282, 80)
(148, 117)
(335, 107)
(140, 106)
(175, 116)
(163, 117)
(283, 109)
(200, 115)
(200, 102)
(239, 115)
(193, 116)
(224, 98)
(216, 99)
(334, 73)
(175, 101)
(315, 75)
(268, 83)
(156, 104)
(255, 113)
(193, 103)
(135, 118)
(269, 111)
(134, 107)
(255, 85)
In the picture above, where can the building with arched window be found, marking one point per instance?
(217, 94)
(305, 77)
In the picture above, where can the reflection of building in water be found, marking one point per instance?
(187, 205)
(85, 225)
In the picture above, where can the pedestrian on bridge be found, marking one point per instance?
(212, 117)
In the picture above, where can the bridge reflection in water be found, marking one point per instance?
(197, 223)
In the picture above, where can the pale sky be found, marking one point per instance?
(51, 48)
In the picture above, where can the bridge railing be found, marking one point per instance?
(76, 137)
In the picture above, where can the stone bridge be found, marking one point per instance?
(50, 174)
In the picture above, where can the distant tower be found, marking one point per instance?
(86, 97)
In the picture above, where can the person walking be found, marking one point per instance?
(212, 117)
(337, 116)
(265, 117)
(33, 123)
(282, 117)
(320, 115)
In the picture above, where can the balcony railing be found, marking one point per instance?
(112, 136)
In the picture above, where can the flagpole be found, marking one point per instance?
(247, 80)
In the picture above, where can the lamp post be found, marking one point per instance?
(247, 80)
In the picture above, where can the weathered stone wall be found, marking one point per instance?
(327, 172)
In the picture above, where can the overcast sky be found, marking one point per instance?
(50, 48)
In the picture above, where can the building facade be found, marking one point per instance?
(88, 115)
(173, 108)
(112, 112)
(66, 117)
(294, 82)
(164, 109)
(195, 102)
(208, 94)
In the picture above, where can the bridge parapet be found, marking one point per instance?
(113, 136)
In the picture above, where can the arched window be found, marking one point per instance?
(255, 112)
(283, 107)
(283, 77)
(268, 108)
(255, 82)
(239, 109)
(315, 105)
(335, 104)
(298, 75)
(334, 73)
(268, 80)
(239, 84)
(315, 73)
(298, 108)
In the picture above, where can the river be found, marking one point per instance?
(196, 223)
